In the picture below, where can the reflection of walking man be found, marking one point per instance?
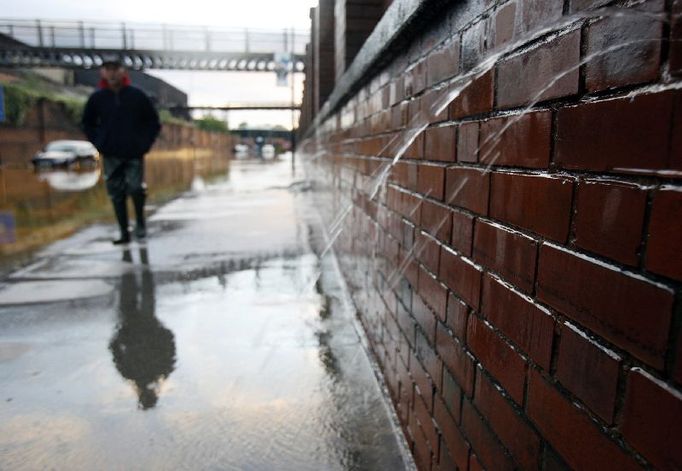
(143, 349)
(122, 123)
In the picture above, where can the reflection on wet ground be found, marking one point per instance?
(211, 346)
(49, 204)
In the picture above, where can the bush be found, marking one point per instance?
(18, 101)
(210, 123)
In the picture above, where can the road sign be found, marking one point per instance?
(282, 64)
(2, 104)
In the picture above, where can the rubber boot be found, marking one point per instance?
(138, 202)
(121, 212)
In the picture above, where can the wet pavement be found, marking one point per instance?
(222, 342)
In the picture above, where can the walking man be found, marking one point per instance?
(122, 124)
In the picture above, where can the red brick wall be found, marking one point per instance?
(522, 295)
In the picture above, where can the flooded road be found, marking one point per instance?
(223, 342)
(50, 204)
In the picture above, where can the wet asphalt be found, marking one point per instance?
(221, 342)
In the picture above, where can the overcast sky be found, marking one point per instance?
(204, 88)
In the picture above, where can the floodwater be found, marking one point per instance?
(223, 342)
(42, 206)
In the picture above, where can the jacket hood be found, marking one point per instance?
(125, 81)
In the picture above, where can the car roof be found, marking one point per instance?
(72, 142)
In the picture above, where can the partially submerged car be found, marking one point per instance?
(66, 153)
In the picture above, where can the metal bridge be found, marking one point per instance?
(81, 44)
(239, 107)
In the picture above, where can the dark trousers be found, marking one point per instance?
(125, 177)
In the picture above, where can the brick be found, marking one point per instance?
(407, 324)
(437, 221)
(423, 382)
(407, 234)
(433, 293)
(570, 431)
(578, 5)
(519, 141)
(445, 462)
(609, 219)
(467, 142)
(427, 251)
(589, 371)
(516, 435)
(475, 99)
(663, 253)
(456, 360)
(523, 16)
(511, 254)
(497, 357)
(467, 188)
(421, 447)
(426, 423)
(677, 370)
(415, 79)
(409, 267)
(424, 317)
(627, 134)
(676, 144)
(406, 389)
(408, 205)
(431, 181)
(456, 446)
(405, 175)
(538, 203)
(461, 276)
(457, 312)
(462, 232)
(416, 149)
(552, 461)
(431, 362)
(651, 420)
(537, 14)
(503, 24)
(522, 77)
(474, 463)
(483, 442)
(399, 114)
(625, 309)
(675, 54)
(451, 396)
(627, 62)
(440, 144)
(442, 63)
(473, 45)
(433, 105)
(525, 323)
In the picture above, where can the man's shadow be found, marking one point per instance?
(143, 348)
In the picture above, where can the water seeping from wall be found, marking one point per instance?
(447, 93)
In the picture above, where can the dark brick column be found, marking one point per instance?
(355, 20)
(324, 51)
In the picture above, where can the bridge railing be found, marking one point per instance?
(161, 37)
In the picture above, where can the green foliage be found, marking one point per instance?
(167, 118)
(73, 109)
(211, 123)
(21, 97)
(18, 101)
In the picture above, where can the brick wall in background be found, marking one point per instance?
(48, 121)
(519, 275)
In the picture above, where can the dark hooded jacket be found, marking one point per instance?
(121, 124)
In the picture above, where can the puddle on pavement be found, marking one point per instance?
(249, 364)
